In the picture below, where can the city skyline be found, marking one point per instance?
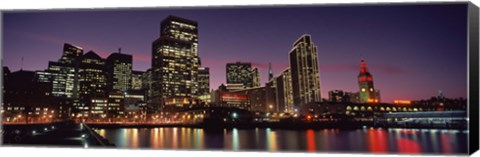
(337, 70)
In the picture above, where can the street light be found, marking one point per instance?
(234, 115)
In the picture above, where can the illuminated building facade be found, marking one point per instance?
(256, 77)
(135, 105)
(239, 76)
(367, 93)
(257, 100)
(63, 74)
(304, 70)
(224, 98)
(137, 83)
(175, 60)
(115, 106)
(98, 108)
(284, 92)
(204, 85)
(118, 67)
(203, 80)
(92, 83)
(71, 54)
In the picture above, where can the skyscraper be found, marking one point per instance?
(137, 83)
(204, 80)
(92, 85)
(284, 93)
(239, 75)
(367, 92)
(118, 67)
(175, 60)
(256, 77)
(305, 73)
(92, 75)
(63, 74)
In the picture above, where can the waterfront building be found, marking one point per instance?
(304, 71)
(92, 84)
(284, 92)
(115, 106)
(25, 100)
(257, 98)
(228, 99)
(98, 108)
(118, 68)
(367, 93)
(175, 60)
(135, 105)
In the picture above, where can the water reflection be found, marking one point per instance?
(404, 141)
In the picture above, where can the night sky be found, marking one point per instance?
(411, 51)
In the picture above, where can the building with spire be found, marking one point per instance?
(367, 93)
(270, 71)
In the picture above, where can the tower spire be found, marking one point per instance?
(270, 71)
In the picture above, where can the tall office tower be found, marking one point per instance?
(175, 60)
(256, 77)
(367, 92)
(71, 54)
(284, 93)
(137, 83)
(63, 74)
(147, 84)
(204, 80)
(92, 85)
(305, 73)
(92, 76)
(239, 76)
(270, 71)
(118, 67)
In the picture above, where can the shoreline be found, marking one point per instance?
(272, 125)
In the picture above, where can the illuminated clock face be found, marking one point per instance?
(371, 89)
(363, 89)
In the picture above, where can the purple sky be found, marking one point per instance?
(411, 51)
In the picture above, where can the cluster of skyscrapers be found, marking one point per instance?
(85, 85)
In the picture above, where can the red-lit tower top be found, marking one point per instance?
(367, 93)
(364, 75)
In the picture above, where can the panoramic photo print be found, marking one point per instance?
(375, 79)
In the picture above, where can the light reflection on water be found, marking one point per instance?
(404, 141)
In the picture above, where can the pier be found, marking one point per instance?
(65, 133)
